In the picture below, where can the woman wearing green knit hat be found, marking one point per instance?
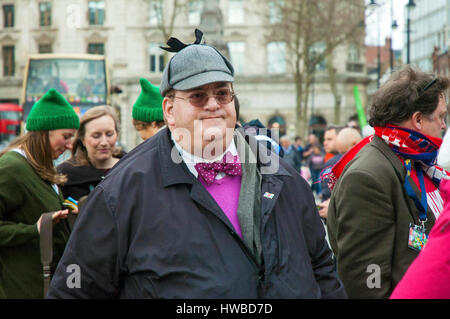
(29, 187)
(147, 111)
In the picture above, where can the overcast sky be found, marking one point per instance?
(383, 14)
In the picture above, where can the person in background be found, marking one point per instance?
(386, 198)
(345, 140)
(353, 123)
(315, 164)
(94, 152)
(329, 143)
(298, 144)
(29, 187)
(332, 156)
(285, 143)
(290, 153)
(171, 220)
(312, 140)
(330, 148)
(428, 277)
(147, 110)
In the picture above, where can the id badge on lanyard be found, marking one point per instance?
(417, 237)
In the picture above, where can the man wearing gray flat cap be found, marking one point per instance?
(200, 210)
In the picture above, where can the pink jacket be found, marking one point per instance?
(428, 277)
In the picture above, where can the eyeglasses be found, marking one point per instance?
(430, 84)
(199, 99)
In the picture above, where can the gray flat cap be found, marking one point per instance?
(194, 66)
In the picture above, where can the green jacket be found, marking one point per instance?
(368, 222)
(24, 196)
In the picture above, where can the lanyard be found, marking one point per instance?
(422, 204)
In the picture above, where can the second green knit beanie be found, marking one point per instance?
(148, 106)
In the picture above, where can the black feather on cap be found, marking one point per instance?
(176, 45)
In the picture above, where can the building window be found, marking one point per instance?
(355, 67)
(195, 10)
(276, 11)
(353, 53)
(156, 58)
(353, 63)
(237, 55)
(8, 60)
(96, 12)
(96, 48)
(276, 57)
(235, 12)
(317, 49)
(8, 15)
(155, 12)
(45, 48)
(45, 14)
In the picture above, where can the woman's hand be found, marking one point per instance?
(56, 217)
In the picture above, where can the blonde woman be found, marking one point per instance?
(94, 152)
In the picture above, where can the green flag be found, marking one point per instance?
(359, 108)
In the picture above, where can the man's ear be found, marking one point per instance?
(167, 105)
(417, 121)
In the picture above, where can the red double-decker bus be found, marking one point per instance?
(10, 119)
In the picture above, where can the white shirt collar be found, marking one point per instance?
(190, 159)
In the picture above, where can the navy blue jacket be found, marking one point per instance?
(151, 230)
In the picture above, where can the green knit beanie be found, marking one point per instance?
(148, 106)
(52, 112)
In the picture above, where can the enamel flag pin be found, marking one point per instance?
(268, 195)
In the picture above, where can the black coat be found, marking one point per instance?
(81, 180)
(151, 230)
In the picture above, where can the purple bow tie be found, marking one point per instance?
(229, 165)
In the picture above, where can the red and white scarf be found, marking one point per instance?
(407, 144)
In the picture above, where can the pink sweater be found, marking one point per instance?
(226, 193)
(428, 277)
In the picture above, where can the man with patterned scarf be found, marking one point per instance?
(386, 193)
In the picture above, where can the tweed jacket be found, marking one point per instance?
(368, 222)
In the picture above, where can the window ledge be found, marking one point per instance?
(97, 27)
(10, 80)
(45, 29)
(10, 30)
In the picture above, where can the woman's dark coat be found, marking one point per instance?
(81, 180)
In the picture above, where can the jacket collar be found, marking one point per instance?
(390, 155)
(81, 174)
(401, 174)
(174, 170)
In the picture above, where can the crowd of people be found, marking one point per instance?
(314, 160)
(206, 207)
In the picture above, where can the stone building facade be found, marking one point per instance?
(127, 32)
